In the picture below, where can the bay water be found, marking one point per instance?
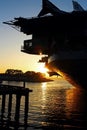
(56, 105)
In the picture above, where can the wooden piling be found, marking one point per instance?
(9, 105)
(3, 103)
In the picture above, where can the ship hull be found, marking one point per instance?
(73, 70)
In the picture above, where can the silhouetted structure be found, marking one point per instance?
(62, 36)
(18, 92)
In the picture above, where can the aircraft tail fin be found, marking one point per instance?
(77, 6)
(48, 7)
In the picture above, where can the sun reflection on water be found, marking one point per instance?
(44, 87)
(43, 104)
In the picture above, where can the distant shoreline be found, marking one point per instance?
(23, 78)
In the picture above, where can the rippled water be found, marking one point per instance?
(53, 105)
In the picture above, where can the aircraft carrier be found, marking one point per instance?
(61, 36)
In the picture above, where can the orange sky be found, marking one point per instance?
(11, 56)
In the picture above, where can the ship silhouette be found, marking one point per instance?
(61, 36)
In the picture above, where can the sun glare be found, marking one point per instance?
(42, 69)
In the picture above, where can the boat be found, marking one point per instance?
(59, 35)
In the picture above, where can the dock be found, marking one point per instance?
(18, 92)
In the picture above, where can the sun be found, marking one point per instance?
(42, 68)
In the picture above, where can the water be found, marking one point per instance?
(53, 105)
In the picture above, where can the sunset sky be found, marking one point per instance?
(11, 40)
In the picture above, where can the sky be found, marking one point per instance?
(11, 40)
